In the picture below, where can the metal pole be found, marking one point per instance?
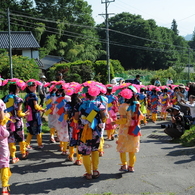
(107, 41)
(10, 48)
(188, 64)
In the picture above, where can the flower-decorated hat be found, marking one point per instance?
(33, 82)
(20, 83)
(92, 88)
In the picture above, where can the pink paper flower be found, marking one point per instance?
(93, 90)
(46, 85)
(5, 82)
(126, 93)
(52, 88)
(88, 83)
(69, 91)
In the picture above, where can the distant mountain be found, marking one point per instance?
(188, 37)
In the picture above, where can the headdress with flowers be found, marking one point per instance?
(32, 82)
(20, 83)
(91, 87)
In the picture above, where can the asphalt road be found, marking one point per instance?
(162, 167)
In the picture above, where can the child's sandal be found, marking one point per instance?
(78, 162)
(64, 153)
(25, 155)
(15, 160)
(71, 159)
(88, 176)
(131, 169)
(5, 193)
(96, 174)
(123, 168)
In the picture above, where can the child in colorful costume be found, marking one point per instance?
(61, 124)
(112, 112)
(50, 99)
(16, 126)
(154, 101)
(142, 97)
(34, 118)
(4, 150)
(104, 100)
(129, 131)
(72, 110)
(92, 119)
(173, 96)
(165, 101)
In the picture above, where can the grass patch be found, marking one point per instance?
(188, 138)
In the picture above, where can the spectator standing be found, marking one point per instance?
(157, 82)
(42, 90)
(169, 81)
(137, 80)
(59, 77)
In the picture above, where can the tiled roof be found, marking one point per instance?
(49, 60)
(39, 63)
(19, 39)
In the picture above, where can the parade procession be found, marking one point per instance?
(80, 118)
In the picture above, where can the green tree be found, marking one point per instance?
(101, 71)
(142, 44)
(74, 42)
(174, 27)
(78, 71)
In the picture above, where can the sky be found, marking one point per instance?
(162, 11)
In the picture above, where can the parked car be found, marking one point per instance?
(116, 80)
(129, 80)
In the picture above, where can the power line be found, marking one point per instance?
(104, 41)
(85, 26)
(113, 31)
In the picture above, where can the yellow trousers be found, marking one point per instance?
(91, 162)
(71, 153)
(132, 159)
(110, 133)
(64, 145)
(164, 115)
(148, 112)
(52, 132)
(144, 120)
(12, 148)
(154, 117)
(5, 175)
(39, 139)
(101, 146)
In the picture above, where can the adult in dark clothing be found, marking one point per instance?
(177, 128)
(136, 80)
(191, 89)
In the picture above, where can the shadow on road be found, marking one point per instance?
(46, 185)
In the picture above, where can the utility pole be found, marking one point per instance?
(10, 48)
(188, 64)
(107, 2)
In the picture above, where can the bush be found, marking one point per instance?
(188, 138)
(23, 67)
(78, 71)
